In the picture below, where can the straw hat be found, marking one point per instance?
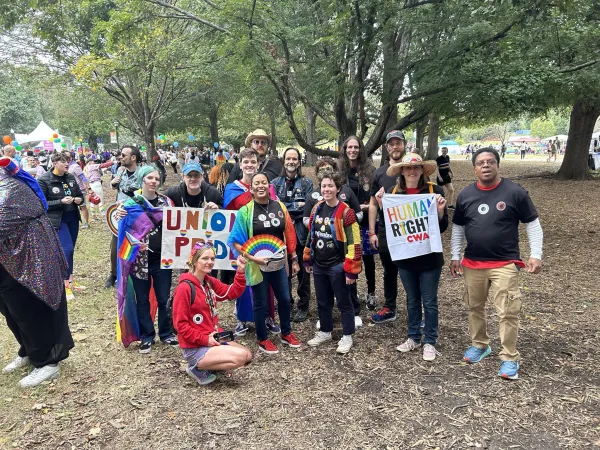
(412, 159)
(257, 134)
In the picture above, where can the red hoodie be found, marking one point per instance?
(195, 323)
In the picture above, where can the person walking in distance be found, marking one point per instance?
(487, 214)
(396, 143)
(446, 175)
(125, 182)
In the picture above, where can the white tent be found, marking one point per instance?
(43, 133)
(560, 137)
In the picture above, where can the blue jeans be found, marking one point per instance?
(67, 235)
(161, 279)
(330, 282)
(278, 281)
(422, 293)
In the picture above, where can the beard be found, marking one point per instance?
(291, 167)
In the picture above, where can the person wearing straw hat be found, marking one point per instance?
(260, 141)
(420, 275)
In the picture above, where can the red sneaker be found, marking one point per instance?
(268, 347)
(291, 340)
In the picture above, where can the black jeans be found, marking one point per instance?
(330, 282)
(390, 280)
(303, 289)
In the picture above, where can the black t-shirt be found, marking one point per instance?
(491, 220)
(325, 251)
(346, 195)
(154, 238)
(361, 190)
(381, 179)
(443, 163)
(268, 219)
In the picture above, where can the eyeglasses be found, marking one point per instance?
(325, 169)
(489, 162)
(413, 167)
(260, 141)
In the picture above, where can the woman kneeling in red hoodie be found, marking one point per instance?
(197, 321)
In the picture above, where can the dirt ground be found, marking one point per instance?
(374, 397)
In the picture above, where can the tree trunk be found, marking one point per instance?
(581, 127)
(420, 129)
(432, 137)
(92, 142)
(273, 133)
(214, 124)
(311, 134)
(150, 144)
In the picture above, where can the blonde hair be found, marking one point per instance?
(197, 251)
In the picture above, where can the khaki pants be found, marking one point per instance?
(504, 282)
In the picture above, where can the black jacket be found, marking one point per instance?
(272, 167)
(52, 187)
(210, 194)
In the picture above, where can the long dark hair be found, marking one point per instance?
(400, 187)
(299, 170)
(365, 166)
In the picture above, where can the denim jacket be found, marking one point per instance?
(303, 187)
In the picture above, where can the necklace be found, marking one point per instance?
(266, 210)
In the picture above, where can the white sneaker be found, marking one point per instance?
(357, 322)
(40, 375)
(318, 325)
(320, 338)
(17, 363)
(429, 352)
(407, 346)
(345, 344)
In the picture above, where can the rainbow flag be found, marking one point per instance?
(129, 248)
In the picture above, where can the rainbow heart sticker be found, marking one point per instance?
(208, 234)
(234, 264)
(166, 263)
(183, 232)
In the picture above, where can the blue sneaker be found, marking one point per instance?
(475, 354)
(383, 315)
(509, 370)
(240, 329)
(272, 326)
(202, 377)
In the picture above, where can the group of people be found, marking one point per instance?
(332, 230)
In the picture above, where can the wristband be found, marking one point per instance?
(372, 234)
(295, 258)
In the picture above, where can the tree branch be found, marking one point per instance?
(188, 15)
(579, 67)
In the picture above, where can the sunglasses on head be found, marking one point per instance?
(260, 141)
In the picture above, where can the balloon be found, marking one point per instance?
(7, 140)
(55, 135)
(19, 147)
(14, 143)
(161, 137)
(63, 145)
(57, 140)
(191, 137)
(143, 147)
(175, 144)
(216, 145)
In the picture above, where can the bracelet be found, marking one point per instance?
(372, 234)
(295, 258)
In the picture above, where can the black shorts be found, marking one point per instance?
(444, 180)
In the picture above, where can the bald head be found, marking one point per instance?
(9, 151)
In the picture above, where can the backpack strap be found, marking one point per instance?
(192, 289)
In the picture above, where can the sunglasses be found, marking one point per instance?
(260, 141)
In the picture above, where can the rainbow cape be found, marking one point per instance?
(234, 190)
(139, 221)
(129, 248)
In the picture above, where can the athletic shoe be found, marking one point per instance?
(85, 226)
(509, 370)
(318, 325)
(40, 375)
(202, 377)
(272, 326)
(240, 329)
(371, 302)
(320, 338)
(300, 316)
(76, 286)
(475, 354)
(268, 347)
(145, 347)
(383, 315)
(357, 322)
(69, 293)
(344, 345)
(407, 346)
(16, 363)
(291, 340)
(429, 352)
(171, 340)
(110, 281)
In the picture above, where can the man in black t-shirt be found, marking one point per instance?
(445, 176)
(193, 191)
(396, 144)
(488, 214)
